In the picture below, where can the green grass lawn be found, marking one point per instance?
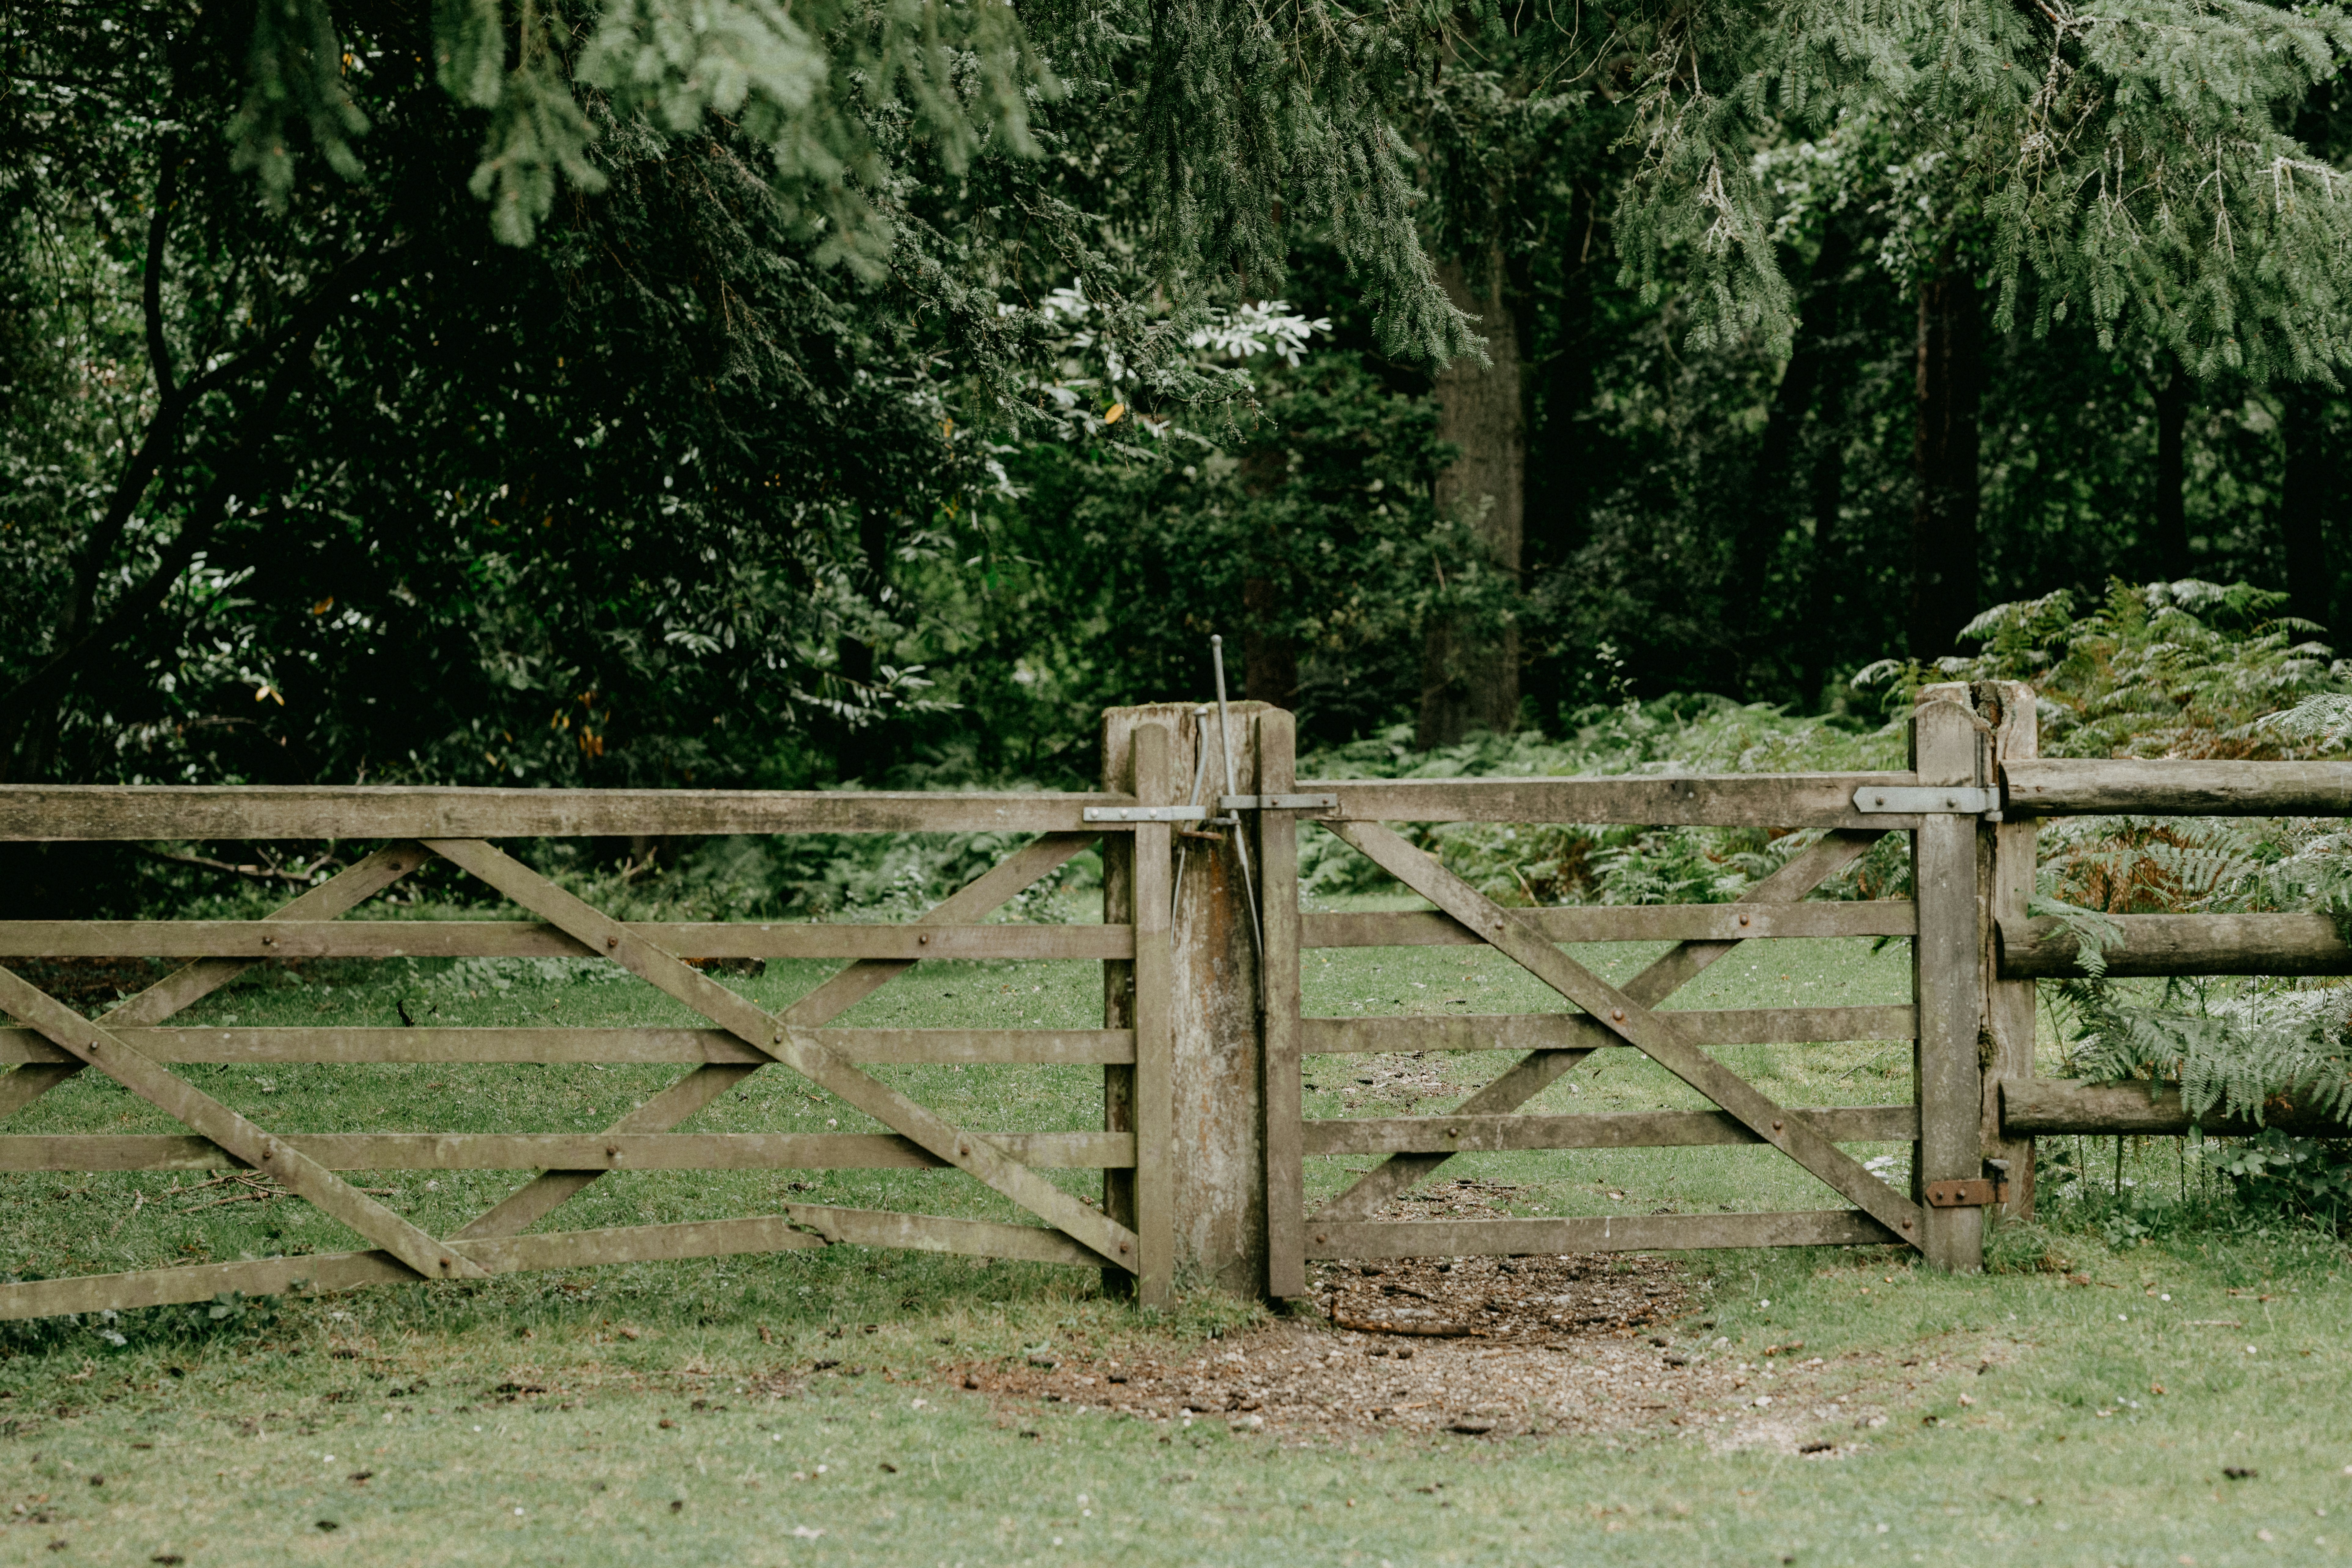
(674, 1413)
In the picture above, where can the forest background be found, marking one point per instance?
(719, 394)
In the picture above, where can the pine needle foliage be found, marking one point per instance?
(2125, 167)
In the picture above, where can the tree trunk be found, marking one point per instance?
(2171, 475)
(2304, 497)
(1771, 506)
(1944, 460)
(1828, 496)
(1470, 681)
(1270, 661)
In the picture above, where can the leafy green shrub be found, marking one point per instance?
(2285, 1174)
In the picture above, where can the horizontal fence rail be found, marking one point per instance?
(524, 938)
(1580, 1032)
(561, 1151)
(2134, 787)
(1624, 922)
(1718, 800)
(2179, 944)
(1068, 1047)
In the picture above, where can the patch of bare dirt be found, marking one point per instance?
(1494, 1347)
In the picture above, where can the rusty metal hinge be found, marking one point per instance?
(1982, 1193)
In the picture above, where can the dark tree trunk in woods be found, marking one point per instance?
(1827, 491)
(1944, 461)
(1270, 661)
(2305, 497)
(1470, 679)
(2172, 474)
(1772, 504)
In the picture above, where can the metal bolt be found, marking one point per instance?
(611, 942)
(1619, 1015)
(963, 1148)
(1122, 1246)
(1743, 920)
(1776, 1127)
(1878, 800)
(922, 940)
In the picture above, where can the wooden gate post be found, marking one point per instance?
(1948, 969)
(1216, 1148)
(1136, 996)
(2006, 855)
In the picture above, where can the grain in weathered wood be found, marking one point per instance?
(284, 939)
(1154, 1108)
(1660, 979)
(2006, 884)
(558, 1150)
(2178, 944)
(1947, 971)
(2136, 786)
(2050, 1106)
(201, 1112)
(1576, 1031)
(1282, 1040)
(1735, 800)
(793, 1046)
(278, 812)
(1624, 1233)
(1654, 1033)
(1074, 1048)
(1461, 1134)
(1629, 923)
(706, 1085)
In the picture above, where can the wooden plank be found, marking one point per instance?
(2006, 887)
(2046, 1105)
(1606, 1130)
(559, 1151)
(1079, 1047)
(255, 939)
(346, 889)
(801, 1227)
(1732, 800)
(280, 812)
(200, 1112)
(532, 1202)
(1798, 876)
(1948, 969)
(1654, 1034)
(2053, 786)
(1283, 1037)
(969, 1152)
(2178, 944)
(1575, 1031)
(1623, 1233)
(1625, 923)
(1153, 1009)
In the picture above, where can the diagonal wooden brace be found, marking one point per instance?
(1537, 1070)
(795, 1048)
(98, 1048)
(540, 1197)
(1654, 1035)
(191, 982)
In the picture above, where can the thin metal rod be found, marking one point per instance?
(1200, 777)
(1225, 749)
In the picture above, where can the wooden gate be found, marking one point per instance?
(1941, 803)
(134, 1042)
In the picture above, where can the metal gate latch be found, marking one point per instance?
(1278, 803)
(1143, 814)
(1915, 800)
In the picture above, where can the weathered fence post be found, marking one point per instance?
(1136, 759)
(1277, 837)
(2006, 853)
(1948, 968)
(1216, 1182)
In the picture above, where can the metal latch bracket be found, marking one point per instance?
(1278, 803)
(1143, 814)
(1922, 800)
(1982, 1193)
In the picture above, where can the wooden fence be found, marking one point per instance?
(1202, 1037)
